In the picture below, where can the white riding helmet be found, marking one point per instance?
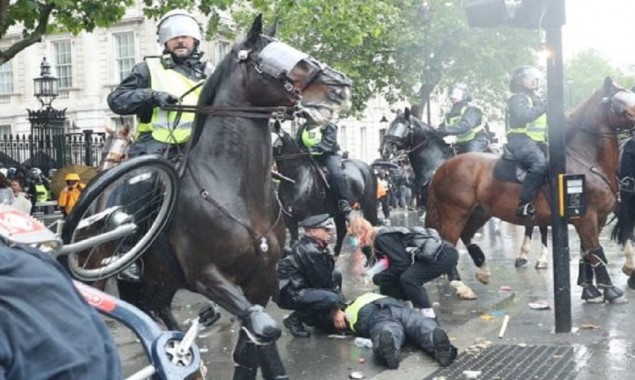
(176, 23)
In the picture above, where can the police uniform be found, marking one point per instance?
(322, 143)
(308, 281)
(389, 323)
(526, 136)
(465, 120)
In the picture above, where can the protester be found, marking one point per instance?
(70, 193)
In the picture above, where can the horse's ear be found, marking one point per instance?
(255, 31)
(273, 29)
(406, 113)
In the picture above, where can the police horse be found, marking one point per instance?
(305, 190)
(426, 151)
(465, 192)
(226, 233)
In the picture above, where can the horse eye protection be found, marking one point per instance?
(280, 60)
(397, 130)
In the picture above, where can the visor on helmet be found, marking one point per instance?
(278, 59)
(178, 24)
(532, 73)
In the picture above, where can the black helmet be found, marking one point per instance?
(459, 92)
(520, 73)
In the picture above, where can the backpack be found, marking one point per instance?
(424, 244)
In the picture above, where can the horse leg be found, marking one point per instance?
(521, 260)
(270, 362)
(598, 261)
(629, 265)
(477, 221)
(541, 263)
(245, 358)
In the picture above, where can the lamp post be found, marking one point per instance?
(47, 123)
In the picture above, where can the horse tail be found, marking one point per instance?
(369, 198)
(623, 229)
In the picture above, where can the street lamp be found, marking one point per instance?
(45, 87)
(47, 123)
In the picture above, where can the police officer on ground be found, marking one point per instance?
(389, 323)
(465, 121)
(527, 133)
(322, 143)
(158, 82)
(309, 284)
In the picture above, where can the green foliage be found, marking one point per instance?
(585, 73)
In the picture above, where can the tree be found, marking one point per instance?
(585, 73)
(379, 44)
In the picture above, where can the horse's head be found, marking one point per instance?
(298, 79)
(621, 103)
(405, 133)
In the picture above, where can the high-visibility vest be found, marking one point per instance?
(535, 130)
(352, 310)
(162, 122)
(467, 136)
(42, 194)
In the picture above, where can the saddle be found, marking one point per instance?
(507, 169)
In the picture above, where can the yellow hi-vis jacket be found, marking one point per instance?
(536, 130)
(352, 310)
(162, 122)
(467, 136)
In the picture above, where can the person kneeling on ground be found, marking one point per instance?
(415, 255)
(389, 323)
(308, 281)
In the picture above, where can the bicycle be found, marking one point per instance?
(172, 354)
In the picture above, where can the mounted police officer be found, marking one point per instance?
(161, 81)
(527, 133)
(465, 121)
(158, 82)
(322, 143)
(308, 281)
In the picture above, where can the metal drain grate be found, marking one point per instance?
(506, 362)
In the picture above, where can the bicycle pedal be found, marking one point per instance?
(209, 315)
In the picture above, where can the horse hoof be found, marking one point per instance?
(483, 277)
(614, 295)
(591, 294)
(259, 326)
(520, 262)
(541, 265)
(463, 291)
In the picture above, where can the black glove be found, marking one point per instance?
(162, 99)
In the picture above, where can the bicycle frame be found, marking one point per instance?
(172, 354)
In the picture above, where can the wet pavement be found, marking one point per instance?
(601, 337)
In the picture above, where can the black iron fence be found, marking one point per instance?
(46, 152)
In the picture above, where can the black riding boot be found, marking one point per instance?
(295, 326)
(531, 186)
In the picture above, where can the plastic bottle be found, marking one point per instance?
(363, 342)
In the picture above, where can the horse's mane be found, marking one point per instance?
(577, 116)
(209, 91)
(427, 132)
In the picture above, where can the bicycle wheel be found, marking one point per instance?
(142, 191)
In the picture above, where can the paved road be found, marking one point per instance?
(469, 322)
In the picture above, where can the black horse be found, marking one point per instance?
(309, 193)
(625, 212)
(426, 151)
(227, 233)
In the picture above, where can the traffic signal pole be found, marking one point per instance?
(555, 18)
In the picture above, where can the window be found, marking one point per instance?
(6, 79)
(5, 129)
(124, 54)
(63, 63)
(222, 49)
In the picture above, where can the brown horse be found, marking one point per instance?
(464, 194)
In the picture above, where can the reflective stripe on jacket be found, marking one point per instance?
(467, 136)
(162, 122)
(535, 130)
(42, 193)
(352, 310)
